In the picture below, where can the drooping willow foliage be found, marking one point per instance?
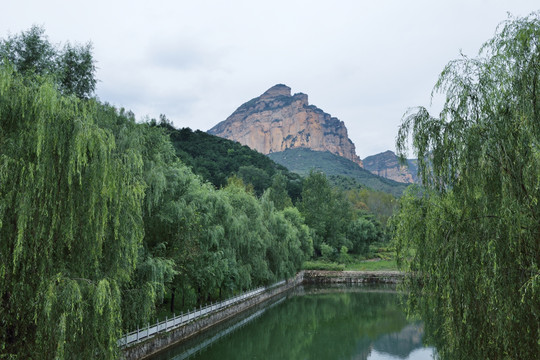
(99, 220)
(471, 237)
(222, 241)
(70, 224)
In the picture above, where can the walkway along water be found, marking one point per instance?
(182, 319)
(144, 342)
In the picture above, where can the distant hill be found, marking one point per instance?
(276, 121)
(386, 164)
(216, 159)
(301, 161)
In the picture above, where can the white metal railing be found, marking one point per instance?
(177, 321)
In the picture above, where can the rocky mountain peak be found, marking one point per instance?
(275, 91)
(386, 164)
(277, 120)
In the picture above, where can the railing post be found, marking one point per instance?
(157, 325)
(165, 323)
(137, 332)
(147, 329)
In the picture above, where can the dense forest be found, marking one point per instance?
(102, 217)
(217, 159)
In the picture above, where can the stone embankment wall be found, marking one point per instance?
(164, 340)
(352, 277)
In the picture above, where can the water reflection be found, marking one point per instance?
(400, 344)
(364, 323)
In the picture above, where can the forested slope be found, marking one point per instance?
(302, 160)
(217, 159)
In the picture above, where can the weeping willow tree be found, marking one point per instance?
(471, 238)
(99, 219)
(154, 268)
(70, 224)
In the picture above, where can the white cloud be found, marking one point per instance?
(197, 61)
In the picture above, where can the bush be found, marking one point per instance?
(344, 257)
(327, 252)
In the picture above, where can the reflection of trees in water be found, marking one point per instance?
(337, 325)
(402, 343)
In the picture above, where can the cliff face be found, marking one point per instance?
(277, 120)
(387, 165)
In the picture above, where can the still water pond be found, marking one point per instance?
(314, 323)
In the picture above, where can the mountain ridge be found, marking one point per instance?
(276, 121)
(302, 161)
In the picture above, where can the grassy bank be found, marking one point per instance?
(372, 265)
(366, 265)
(380, 257)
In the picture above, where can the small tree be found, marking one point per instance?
(344, 256)
(361, 233)
(278, 192)
(31, 53)
(76, 70)
(327, 252)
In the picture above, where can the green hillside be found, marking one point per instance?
(301, 161)
(216, 159)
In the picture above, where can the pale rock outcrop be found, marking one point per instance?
(386, 164)
(277, 120)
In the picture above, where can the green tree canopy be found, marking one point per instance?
(217, 159)
(76, 70)
(471, 238)
(70, 224)
(31, 53)
(257, 177)
(277, 192)
(332, 217)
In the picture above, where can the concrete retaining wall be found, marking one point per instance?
(162, 341)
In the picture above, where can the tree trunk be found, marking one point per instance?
(173, 290)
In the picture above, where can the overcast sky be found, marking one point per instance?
(364, 62)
